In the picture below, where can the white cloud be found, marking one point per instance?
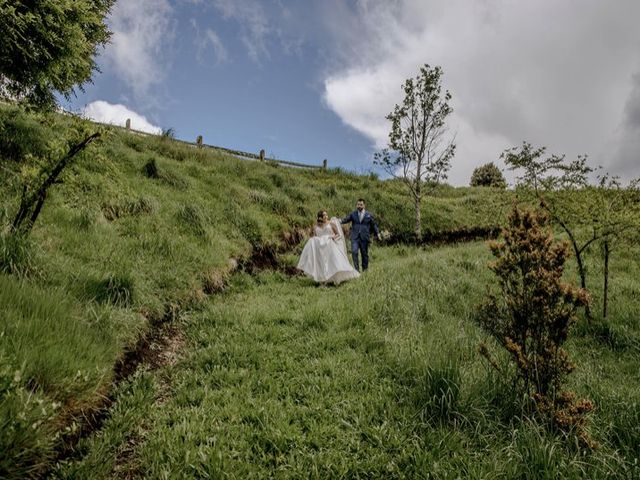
(554, 73)
(142, 31)
(209, 39)
(351, 95)
(252, 18)
(218, 47)
(116, 114)
(263, 26)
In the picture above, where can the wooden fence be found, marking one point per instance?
(236, 153)
(200, 144)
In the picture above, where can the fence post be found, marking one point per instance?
(128, 124)
(199, 141)
(324, 164)
(262, 155)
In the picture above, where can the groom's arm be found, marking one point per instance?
(346, 219)
(375, 227)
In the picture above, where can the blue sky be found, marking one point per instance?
(314, 79)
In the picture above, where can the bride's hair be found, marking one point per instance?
(320, 215)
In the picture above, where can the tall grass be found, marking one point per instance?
(16, 255)
(52, 352)
(115, 246)
(377, 378)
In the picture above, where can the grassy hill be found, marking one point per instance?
(280, 378)
(143, 231)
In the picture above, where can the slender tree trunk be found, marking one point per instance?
(31, 203)
(418, 226)
(582, 270)
(583, 279)
(605, 301)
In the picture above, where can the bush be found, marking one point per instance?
(532, 316)
(150, 169)
(488, 175)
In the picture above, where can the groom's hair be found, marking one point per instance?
(361, 200)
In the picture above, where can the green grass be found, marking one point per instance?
(142, 226)
(377, 378)
(54, 351)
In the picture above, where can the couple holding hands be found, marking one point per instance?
(324, 257)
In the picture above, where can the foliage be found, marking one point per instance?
(278, 375)
(586, 213)
(488, 175)
(532, 316)
(544, 176)
(616, 217)
(40, 161)
(406, 356)
(168, 133)
(49, 46)
(418, 152)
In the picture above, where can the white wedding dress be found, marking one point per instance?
(324, 258)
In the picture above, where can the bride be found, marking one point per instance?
(324, 257)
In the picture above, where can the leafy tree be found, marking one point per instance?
(49, 46)
(168, 133)
(588, 214)
(545, 177)
(418, 152)
(532, 315)
(488, 175)
(617, 213)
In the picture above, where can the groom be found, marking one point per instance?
(361, 224)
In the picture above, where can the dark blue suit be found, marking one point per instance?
(360, 231)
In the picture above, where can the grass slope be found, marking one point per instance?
(139, 228)
(376, 378)
(277, 376)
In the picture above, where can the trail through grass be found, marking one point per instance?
(140, 227)
(376, 378)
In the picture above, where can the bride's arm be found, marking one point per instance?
(334, 230)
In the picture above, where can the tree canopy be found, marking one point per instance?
(488, 175)
(419, 151)
(589, 214)
(49, 46)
